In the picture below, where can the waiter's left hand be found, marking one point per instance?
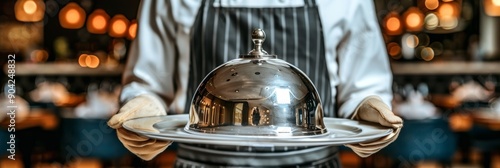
(372, 109)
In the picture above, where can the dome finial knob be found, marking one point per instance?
(258, 36)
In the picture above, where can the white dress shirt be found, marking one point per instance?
(158, 60)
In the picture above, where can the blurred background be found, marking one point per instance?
(70, 55)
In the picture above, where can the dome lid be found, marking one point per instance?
(258, 95)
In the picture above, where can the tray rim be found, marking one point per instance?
(187, 137)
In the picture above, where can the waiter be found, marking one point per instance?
(336, 43)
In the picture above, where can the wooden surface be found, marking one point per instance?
(487, 119)
(69, 68)
(398, 68)
(445, 68)
(35, 118)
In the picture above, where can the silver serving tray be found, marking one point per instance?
(340, 132)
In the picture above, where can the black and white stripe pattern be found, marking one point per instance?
(294, 34)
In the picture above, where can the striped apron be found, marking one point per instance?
(295, 35)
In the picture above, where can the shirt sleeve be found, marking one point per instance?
(151, 67)
(362, 60)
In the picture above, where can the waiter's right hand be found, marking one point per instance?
(140, 106)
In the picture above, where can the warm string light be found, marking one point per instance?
(496, 2)
(414, 19)
(97, 22)
(29, 10)
(86, 60)
(448, 10)
(118, 26)
(72, 16)
(132, 30)
(492, 7)
(393, 24)
(448, 15)
(92, 61)
(431, 4)
(81, 60)
(394, 50)
(30, 7)
(39, 55)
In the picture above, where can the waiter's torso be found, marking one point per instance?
(295, 34)
(283, 40)
(221, 32)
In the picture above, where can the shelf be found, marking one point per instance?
(398, 68)
(65, 69)
(445, 68)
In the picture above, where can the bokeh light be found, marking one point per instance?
(437, 47)
(72, 16)
(492, 7)
(132, 30)
(431, 21)
(431, 4)
(394, 50)
(427, 53)
(393, 24)
(467, 11)
(448, 22)
(412, 41)
(408, 44)
(30, 7)
(61, 47)
(418, 51)
(97, 22)
(496, 2)
(423, 39)
(88, 60)
(81, 60)
(414, 19)
(448, 10)
(39, 56)
(119, 49)
(92, 61)
(118, 26)
(29, 10)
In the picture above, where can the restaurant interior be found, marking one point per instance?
(70, 56)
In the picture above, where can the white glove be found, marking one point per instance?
(140, 106)
(373, 109)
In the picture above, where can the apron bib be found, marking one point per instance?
(294, 34)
